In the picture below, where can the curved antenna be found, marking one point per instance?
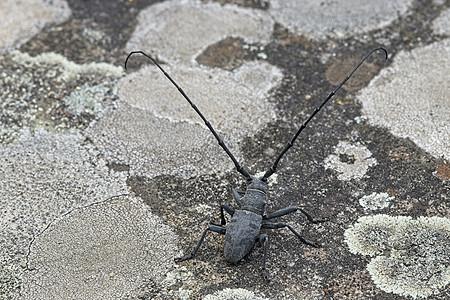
(289, 144)
(239, 168)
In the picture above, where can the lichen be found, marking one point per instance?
(357, 168)
(375, 201)
(233, 294)
(52, 92)
(410, 257)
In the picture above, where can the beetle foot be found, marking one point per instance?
(186, 257)
(265, 276)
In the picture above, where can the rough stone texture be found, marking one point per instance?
(441, 25)
(321, 19)
(97, 146)
(43, 176)
(24, 18)
(233, 102)
(104, 250)
(411, 98)
(49, 91)
(151, 146)
(192, 26)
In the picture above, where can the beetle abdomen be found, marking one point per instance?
(241, 234)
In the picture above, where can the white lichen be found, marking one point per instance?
(357, 168)
(233, 294)
(376, 201)
(87, 99)
(204, 209)
(69, 69)
(410, 257)
(441, 25)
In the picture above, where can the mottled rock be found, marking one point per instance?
(410, 98)
(21, 20)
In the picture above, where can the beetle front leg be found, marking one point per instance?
(228, 209)
(213, 228)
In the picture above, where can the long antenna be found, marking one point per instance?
(239, 168)
(289, 144)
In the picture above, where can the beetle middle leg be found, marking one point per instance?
(213, 228)
(228, 208)
(292, 209)
(300, 237)
(263, 239)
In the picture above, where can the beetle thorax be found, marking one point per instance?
(255, 198)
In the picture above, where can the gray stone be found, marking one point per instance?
(441, 25)
(44, 176)
(410, 98)
(105, 250)
(21, 20)
(180, 30)
(320, 19)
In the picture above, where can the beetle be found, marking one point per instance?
(244, 228)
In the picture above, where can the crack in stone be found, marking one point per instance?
(27, 268)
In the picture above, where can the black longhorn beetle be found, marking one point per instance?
(247, 221)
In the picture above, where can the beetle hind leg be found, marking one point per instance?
(291, 209)
(213, 228)
(298, 235)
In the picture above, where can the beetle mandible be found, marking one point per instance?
(246, 223)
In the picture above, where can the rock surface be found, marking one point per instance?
(107, 175)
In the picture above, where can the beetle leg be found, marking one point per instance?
(236, 196)
(228, 209)
(292, 209)
(282, 225)
(213, 228)
(263, 239)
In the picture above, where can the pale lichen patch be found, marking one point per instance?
(418, 111)
(192, 26)
(350, 161)
(317, 19)
(441, 25)
(68, 69)
(21, 20)
(119, 243)
(411, 256)
(52, 92)
(376, 201)
(233, 294)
